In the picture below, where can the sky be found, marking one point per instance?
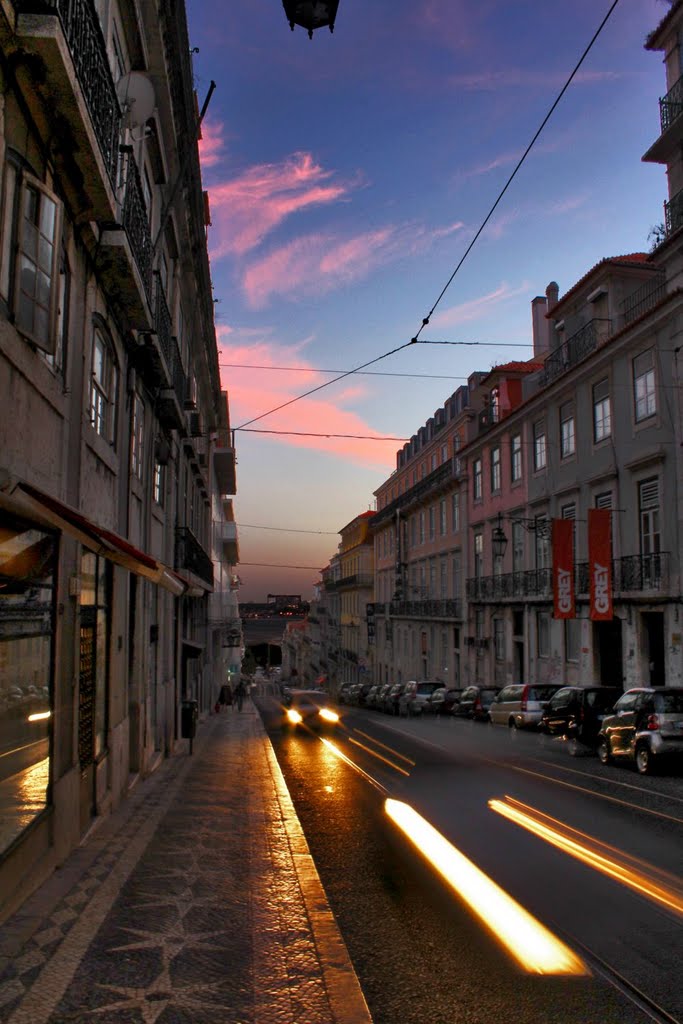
(347, 176)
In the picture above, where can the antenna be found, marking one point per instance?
(135, 93)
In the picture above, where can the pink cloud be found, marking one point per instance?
(255, 391)
(476, 309)
(315, 264)
(211, 144)
(250, 206)
(492, 81)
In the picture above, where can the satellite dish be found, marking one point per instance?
(135, 93)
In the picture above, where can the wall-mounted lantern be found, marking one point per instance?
(499, 542)
(311, 14)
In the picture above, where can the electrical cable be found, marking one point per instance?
(312, 391)
(277, 565)
(521, 160)
(284, 529)
(305, 433)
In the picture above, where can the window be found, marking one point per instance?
(413, 531)
(602, 415)
(542, 535)
(477, 487)
(499, 639)
(567, 430)
(516, 457)
(644, 394)
(57, 359)
(432, 522)
(650, 536)
(444, 453)
(442, 517)
(455, 510)
(443, 578)
(572, 638)
(432, 577)
(138, 437)
(422, 526)
(457, 574)
(29, 275)
(160, 483)
(543, 634)
(517, 547)
(103, 387)
(478, 554)
(432, 462)
(569, 512)
(495, 469)
(540, 452)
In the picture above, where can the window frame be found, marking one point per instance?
(477, 480)
(107, 392)
(567, 438)
(650, 394)
(602, 411)
(496, 469)
(516, 465)
(540, 446)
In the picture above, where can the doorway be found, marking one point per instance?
(607, 653)
(655, 671)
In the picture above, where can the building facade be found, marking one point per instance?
(113, 451)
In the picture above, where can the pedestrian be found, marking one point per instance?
(240, 694)
(225, 696)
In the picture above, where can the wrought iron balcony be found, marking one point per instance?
(358, 579)
(431, 484)
(190, 555)
(673, 213)
(170, 403)
(644, 298)
(671, 105)
(576, 348)
(79, 28)
(136, 225)
(631, 574)
(438, 608)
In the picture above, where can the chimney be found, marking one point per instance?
(540, 325)
(552, 294)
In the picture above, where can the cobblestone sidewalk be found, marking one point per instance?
(197, 901)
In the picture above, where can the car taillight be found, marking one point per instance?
(652, 722)
(477, 705)
(524, 696)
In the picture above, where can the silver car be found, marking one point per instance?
(646, 727)
(521, 705)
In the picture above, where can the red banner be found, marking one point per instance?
(564, 602)
(600, 563)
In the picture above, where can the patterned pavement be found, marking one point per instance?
(197, 901)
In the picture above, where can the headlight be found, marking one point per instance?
(294, 716)
(329, 716)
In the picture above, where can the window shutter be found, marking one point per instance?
(603, 500)
(649, 494)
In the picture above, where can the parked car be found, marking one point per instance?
(363, 691)
(415, 695)
(475, 702)
(391, 698)
(371, 696)
(646, 727)
(443, 701)
(312, 709)
(521, 705)
(382, 696)
(577, 712)
(343, 696)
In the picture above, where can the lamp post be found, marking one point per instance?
(499, 542)
(311, 14)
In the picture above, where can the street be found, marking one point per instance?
(593, 853)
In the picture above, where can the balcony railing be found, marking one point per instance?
(358, 579)
(576, 348)
(163, 325)
(438, 608)
(645, 298)
(435, 480)
(88, 51)
(630, 574)
(673, 213)
(136, 225)
(671, 105)
(189, 554)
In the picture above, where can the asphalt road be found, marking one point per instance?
(421, 954)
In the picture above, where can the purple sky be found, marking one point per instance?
(348, 174)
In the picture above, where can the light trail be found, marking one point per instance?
(380, 757)
(531, 944)
(590, 851)
(334, 749)
(384, 746)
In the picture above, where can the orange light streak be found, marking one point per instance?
(590, 851)
(380, 757)
(384, 746)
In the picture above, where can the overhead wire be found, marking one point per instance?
(285, 529)
(521, 160)
(307, 433)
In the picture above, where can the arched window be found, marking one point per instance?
(104, 385)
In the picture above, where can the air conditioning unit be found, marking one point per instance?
(195, 424)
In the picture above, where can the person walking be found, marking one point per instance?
(240, 694)
(225, 696)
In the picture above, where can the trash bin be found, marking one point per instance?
(189, 713)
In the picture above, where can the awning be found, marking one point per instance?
(97, 538)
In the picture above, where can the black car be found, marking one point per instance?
(475, 702)
(443, 701)
(577, 712)
(309, 709)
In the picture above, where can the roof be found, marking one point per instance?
(516, 366)
(652, 41)
(632, 259)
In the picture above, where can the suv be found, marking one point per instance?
(415, 695)
(521, 705)
(647, 724)
(577, 712)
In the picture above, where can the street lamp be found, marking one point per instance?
(499, 542)
(311, 14)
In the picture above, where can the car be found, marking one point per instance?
(362, 694)
(577, 713)
(343, 694)
(382, 695)
(645, 728)
(521, 705)
(312, 709)
(415, 695)
(475, 702)
(371, 695)
(442, 701)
